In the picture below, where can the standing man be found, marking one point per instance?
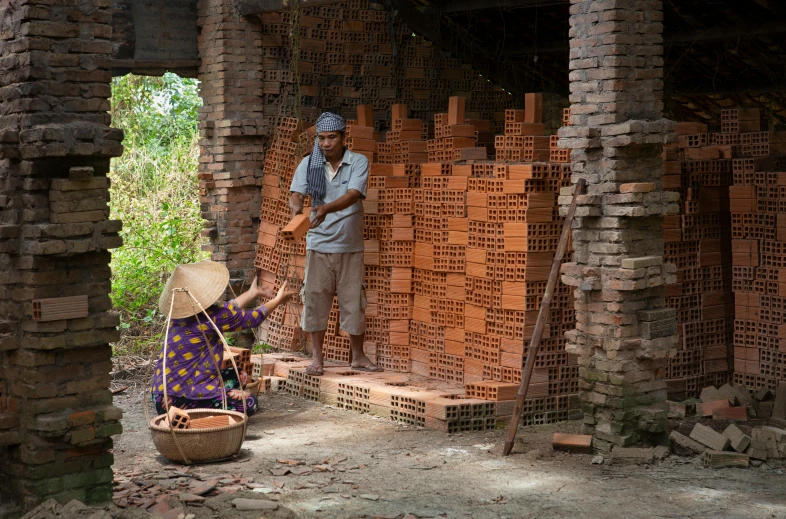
(336, 180)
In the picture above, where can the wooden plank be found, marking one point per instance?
(252, 7)
(709, 437)
(739, 440)
(576, 443)
(719, 460)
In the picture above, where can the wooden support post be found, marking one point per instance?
(545, 307)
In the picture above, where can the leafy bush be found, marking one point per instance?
(155, 192)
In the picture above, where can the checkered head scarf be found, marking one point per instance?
(327, 122)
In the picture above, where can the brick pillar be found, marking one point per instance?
(232, 130)
(56, 412)
(623, 331)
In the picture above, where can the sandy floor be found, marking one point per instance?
(432, 474)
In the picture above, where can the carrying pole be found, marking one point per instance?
(545, 308)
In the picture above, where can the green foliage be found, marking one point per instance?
(155, 192)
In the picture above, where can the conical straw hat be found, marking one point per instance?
(206, 281)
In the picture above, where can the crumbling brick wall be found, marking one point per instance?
(624, 332)
(56, 412)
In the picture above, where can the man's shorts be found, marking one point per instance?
(329, 274)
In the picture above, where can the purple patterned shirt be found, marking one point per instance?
(191, 373)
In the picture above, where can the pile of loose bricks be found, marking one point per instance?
(457, 256)
(56, 412)
(180, 419)
(727, 426)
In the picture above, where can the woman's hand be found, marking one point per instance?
(284, 293)
(258, 291)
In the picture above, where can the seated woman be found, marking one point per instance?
(192, 375)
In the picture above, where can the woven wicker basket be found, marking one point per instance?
(211, 444)
(254, 386)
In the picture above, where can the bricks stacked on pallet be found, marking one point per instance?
(698, 241)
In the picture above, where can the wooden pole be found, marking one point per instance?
(545, 308)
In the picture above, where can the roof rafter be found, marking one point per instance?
(462, 6)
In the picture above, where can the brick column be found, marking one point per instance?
(623, 331)
(56, 412)
(232, 129)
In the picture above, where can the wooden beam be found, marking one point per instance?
(461, 6)
(726, 33)
(732, 34)
(149, 67)
(253, 7)
(457, 41)
(742, 86)
(153, 63)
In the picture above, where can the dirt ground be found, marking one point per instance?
(393, 470)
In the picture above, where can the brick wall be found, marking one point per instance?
(56, 412)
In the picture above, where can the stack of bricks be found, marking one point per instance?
(698, 241)
(392, 395)
(298, 63)
(758, 233)
(457, 258)
(56, 412)
(352, 51)
(454, 140)
(525, 139)
(278, 259)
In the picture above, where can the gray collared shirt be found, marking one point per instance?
(341, 231)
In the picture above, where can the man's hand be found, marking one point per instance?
(296, 203)
(318, 215)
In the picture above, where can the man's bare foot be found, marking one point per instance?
(362, 363)
(315, 370)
